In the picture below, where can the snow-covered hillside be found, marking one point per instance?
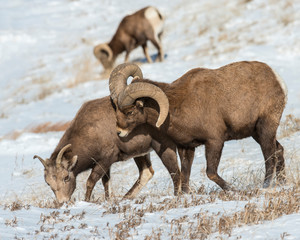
(48, 71)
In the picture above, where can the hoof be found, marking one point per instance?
(266, 184)
(227, 187)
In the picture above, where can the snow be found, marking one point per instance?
(48, 71)
(286, 227)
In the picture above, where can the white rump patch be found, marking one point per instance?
(282, 84)
(153, 17)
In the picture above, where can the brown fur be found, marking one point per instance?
(133, 31)
(95, 142)
(239, 100)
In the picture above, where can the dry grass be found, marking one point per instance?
(276, 203)
(12, 223)
(50, 127)
(3, 115)
(17, 205)
(45, 87)
(290, 125)
(41, 128)
(46, 91)
(260, 205)
(225, 38)
(83, 72)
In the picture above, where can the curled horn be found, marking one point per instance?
(60, 154)
(41, 159)
(118, 78)
(104, 47)
(126, 95)
(143, 89)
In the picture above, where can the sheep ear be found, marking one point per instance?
(103, 51)
(73, 163)
(135, 78)
(139, 103)
(115, 103)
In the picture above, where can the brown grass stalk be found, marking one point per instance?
(41, 128)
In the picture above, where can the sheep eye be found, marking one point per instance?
(129, 113)
(67, 179)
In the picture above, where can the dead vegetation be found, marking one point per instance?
(83, 72)
(261, 206)
(228, 29)
(195, 214)
(40, 128)
(49, 127)
(289, 125)
(12, 222)
(17, 205)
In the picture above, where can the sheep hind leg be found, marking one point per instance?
(280, 164)
(166, 150)
(146, 173)
(159, 48)
(169, 159)
(145, 48)
(213, 151)
(105, 182)
(265, 137)
(186, 158)
(269, 151)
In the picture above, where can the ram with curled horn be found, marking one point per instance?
(206, 107)
(90, 142)
(134, 30)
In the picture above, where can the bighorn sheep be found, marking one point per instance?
(91, 142)
(205, 106)
(134, 30)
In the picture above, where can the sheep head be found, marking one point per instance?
(105, 55)
(59, 175)
(129, 98)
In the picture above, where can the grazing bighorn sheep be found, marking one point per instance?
(134, 30)
(205, 106)
(91, 142)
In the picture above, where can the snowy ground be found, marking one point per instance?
(48, 71)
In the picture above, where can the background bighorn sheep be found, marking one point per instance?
(204, 106)
(91, 143)
(133, 31)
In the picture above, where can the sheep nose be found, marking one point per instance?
(119, 130)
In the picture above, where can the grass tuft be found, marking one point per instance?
(290, 125)
(41, 128)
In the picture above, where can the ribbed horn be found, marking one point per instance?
(60, 154)
(118, 78)
(143, 89)
(41, 159)
(106, 48)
